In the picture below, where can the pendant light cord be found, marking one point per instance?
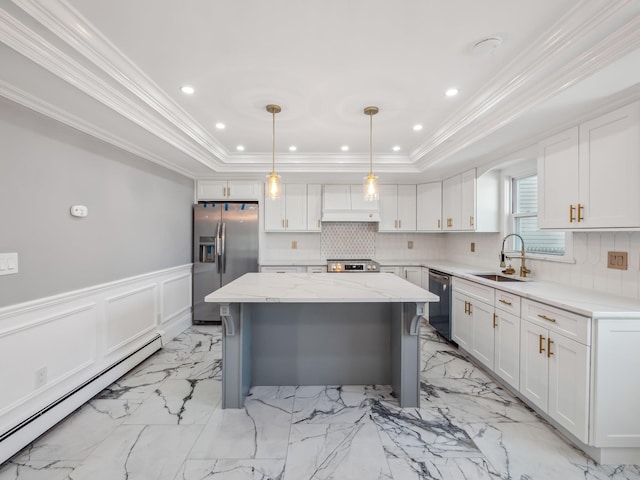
(370, 144)
(273, 145)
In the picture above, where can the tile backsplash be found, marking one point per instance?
(348, 240)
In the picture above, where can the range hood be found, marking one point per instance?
(346, 203)
(350, 216)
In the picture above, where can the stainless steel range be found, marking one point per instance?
(353, 266)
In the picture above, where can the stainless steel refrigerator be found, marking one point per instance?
(225, 247)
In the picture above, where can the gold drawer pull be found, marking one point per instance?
(541, 342)
(549, 319)
(505, 302)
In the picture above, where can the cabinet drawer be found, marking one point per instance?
(474, 290)
(508, 302)
(568, 324)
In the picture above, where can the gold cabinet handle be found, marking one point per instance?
(470, 312)
(395, 224)
(541, 342)
(283, 223)
(287, 223)
(400, 223)
(405, 274)
(228, 191)
(449, 222)
(465, 306)
(549, 352)
(505, 302)
(318, 223)
(438, 223)
(580, 217)
(548, 319)
(571, 217)
(471, 221)
(495, 319)
(224, 191)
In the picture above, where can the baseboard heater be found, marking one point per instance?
(32, 427)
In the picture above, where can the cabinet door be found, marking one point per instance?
(506, 362)
(558, 187)
(314, 207)
(274, 213)
(468, 200)
(482, 345)
(243, 191)
(393, 270)
(429, 207)
(388, 208)
(406, 208)
(337, 197)
(295, 208)
(212, 190)
(413, 275)
(460, 321)
(534, 366)
(569, 384)
(610, 169)
(451, 203)
(425, 278)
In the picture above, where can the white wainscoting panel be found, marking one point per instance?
(77, 336)
(130, 315)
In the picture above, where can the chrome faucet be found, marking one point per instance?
(523, 269)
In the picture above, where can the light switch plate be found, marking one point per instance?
(8, 263)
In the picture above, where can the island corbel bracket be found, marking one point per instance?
(228, 320)
(414, 326)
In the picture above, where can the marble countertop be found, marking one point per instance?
(585, 302)
(319, 288)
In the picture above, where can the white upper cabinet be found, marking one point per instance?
(227, 190)
(314, 207)
(461, 209)
(344, 203)
(588, 175)
(397, 208)
(429, 207)
(289, 212)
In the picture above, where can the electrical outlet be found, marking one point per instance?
(410, 244)
(617, 260)
(473, 246)
(41, 377)
(294, 245)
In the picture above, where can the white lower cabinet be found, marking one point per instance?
(461, 321)
(413, 275)
(482, 332)
(506, 358)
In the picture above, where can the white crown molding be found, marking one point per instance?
(34, 47)
(530, 79)
(23, 98)
(69, 25)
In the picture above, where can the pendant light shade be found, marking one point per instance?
(273, 182)
(371, 181)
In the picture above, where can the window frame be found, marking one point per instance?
(510, 204)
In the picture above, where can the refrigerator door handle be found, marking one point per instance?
(217, 247)
(224, 253)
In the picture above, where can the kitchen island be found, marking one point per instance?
(320, 329)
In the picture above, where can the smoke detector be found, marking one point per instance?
(486, 47)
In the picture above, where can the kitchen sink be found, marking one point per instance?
(496, 277)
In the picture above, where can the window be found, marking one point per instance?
(524, 213)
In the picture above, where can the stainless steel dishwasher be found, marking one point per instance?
(440, 312)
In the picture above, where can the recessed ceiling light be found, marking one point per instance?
(452, 92)
(344, 148)
(240, 148)
(220, 126)
(187, 89)
(293, 148)
(396, 148)
(417, 127)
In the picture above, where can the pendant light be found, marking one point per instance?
(371, 181)
(273, 183)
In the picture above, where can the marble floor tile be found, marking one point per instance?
(336, 451)
(139, 452)
(535, 451)
(230, 469)
(417, 434)
(27, 469)
(443, 469)
(80, 433)
(178, 402)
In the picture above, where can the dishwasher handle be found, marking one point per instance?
(439, 276)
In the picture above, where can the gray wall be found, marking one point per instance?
(139, 213)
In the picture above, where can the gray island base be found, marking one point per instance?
(320, 329)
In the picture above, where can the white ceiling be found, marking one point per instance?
(114, 69)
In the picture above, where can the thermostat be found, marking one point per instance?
(79, 211)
